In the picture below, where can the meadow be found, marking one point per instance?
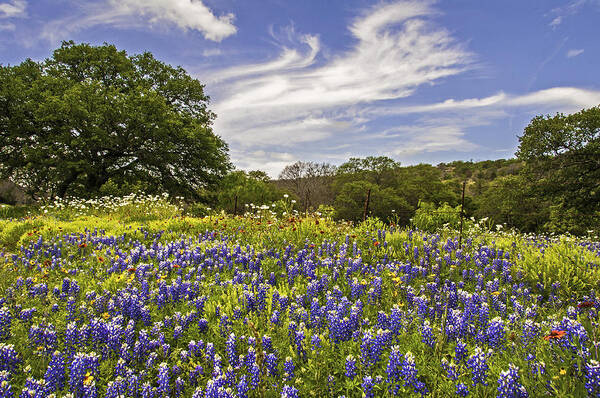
(135, 297)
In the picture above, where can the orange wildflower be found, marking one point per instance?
(555, 334)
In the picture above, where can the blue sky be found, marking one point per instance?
(326, 80)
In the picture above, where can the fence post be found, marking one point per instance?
(367, 204)
(462, 213)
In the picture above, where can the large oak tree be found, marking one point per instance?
(92, 115)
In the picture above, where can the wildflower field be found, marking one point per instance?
(130, 297)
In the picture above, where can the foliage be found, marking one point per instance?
(93, 116)
(309, 182)
(376, 169)
(510, 200)
(430, 219)
(253, 187)
(383, 203)
(560, 263)
(562, 155)
(131, 208)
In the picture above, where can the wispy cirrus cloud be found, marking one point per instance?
(10, 10)
(13, 9)
(299, 97)
(330, 108)
(183, 14)
(559, 14)
(574, 52)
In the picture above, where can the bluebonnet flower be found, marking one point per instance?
(242, 387)
(275, 317)
(254, 376)
(537, 368)
(33, 388)
(164, 379)
(116, 388)
(148, 391)
(55, 373)
(460, 351)
(495, 333)
(5, 387)
(271, 363)
(202, 325)
(462, 390)
(316, 342)
(592, 378)
(299, 342)
(267, 343)
(250, 359)
(450, 369)
(89, 390)
(224, 325)
(372, 346)
(9, 358)
(288, 368)
(477, 363)
(394, 365)
(409, 374)
(179, 385)
(350, 367)
(289, 392)
(509, 384)
(230, 349)
(395, 320)
(427, 334)
(367, 386)
(82, 372)
(531, 333)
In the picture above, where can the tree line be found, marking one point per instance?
(93, 120)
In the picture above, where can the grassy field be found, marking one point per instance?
(130, 297)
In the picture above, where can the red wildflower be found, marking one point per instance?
(176, 266)
(132, 269)
(555, 334)
(585, 304)
(376, 243)
(83, 244)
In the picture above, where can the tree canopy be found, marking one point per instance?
(562, 157)
(92, 115)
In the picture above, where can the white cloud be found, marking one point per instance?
(301, 97)
(184, 14)
(556, 21)
(288, 60)
(13, 9)
(312, 106)
(212, 52)
(563, 99)
(571, 8)
(574, 52)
